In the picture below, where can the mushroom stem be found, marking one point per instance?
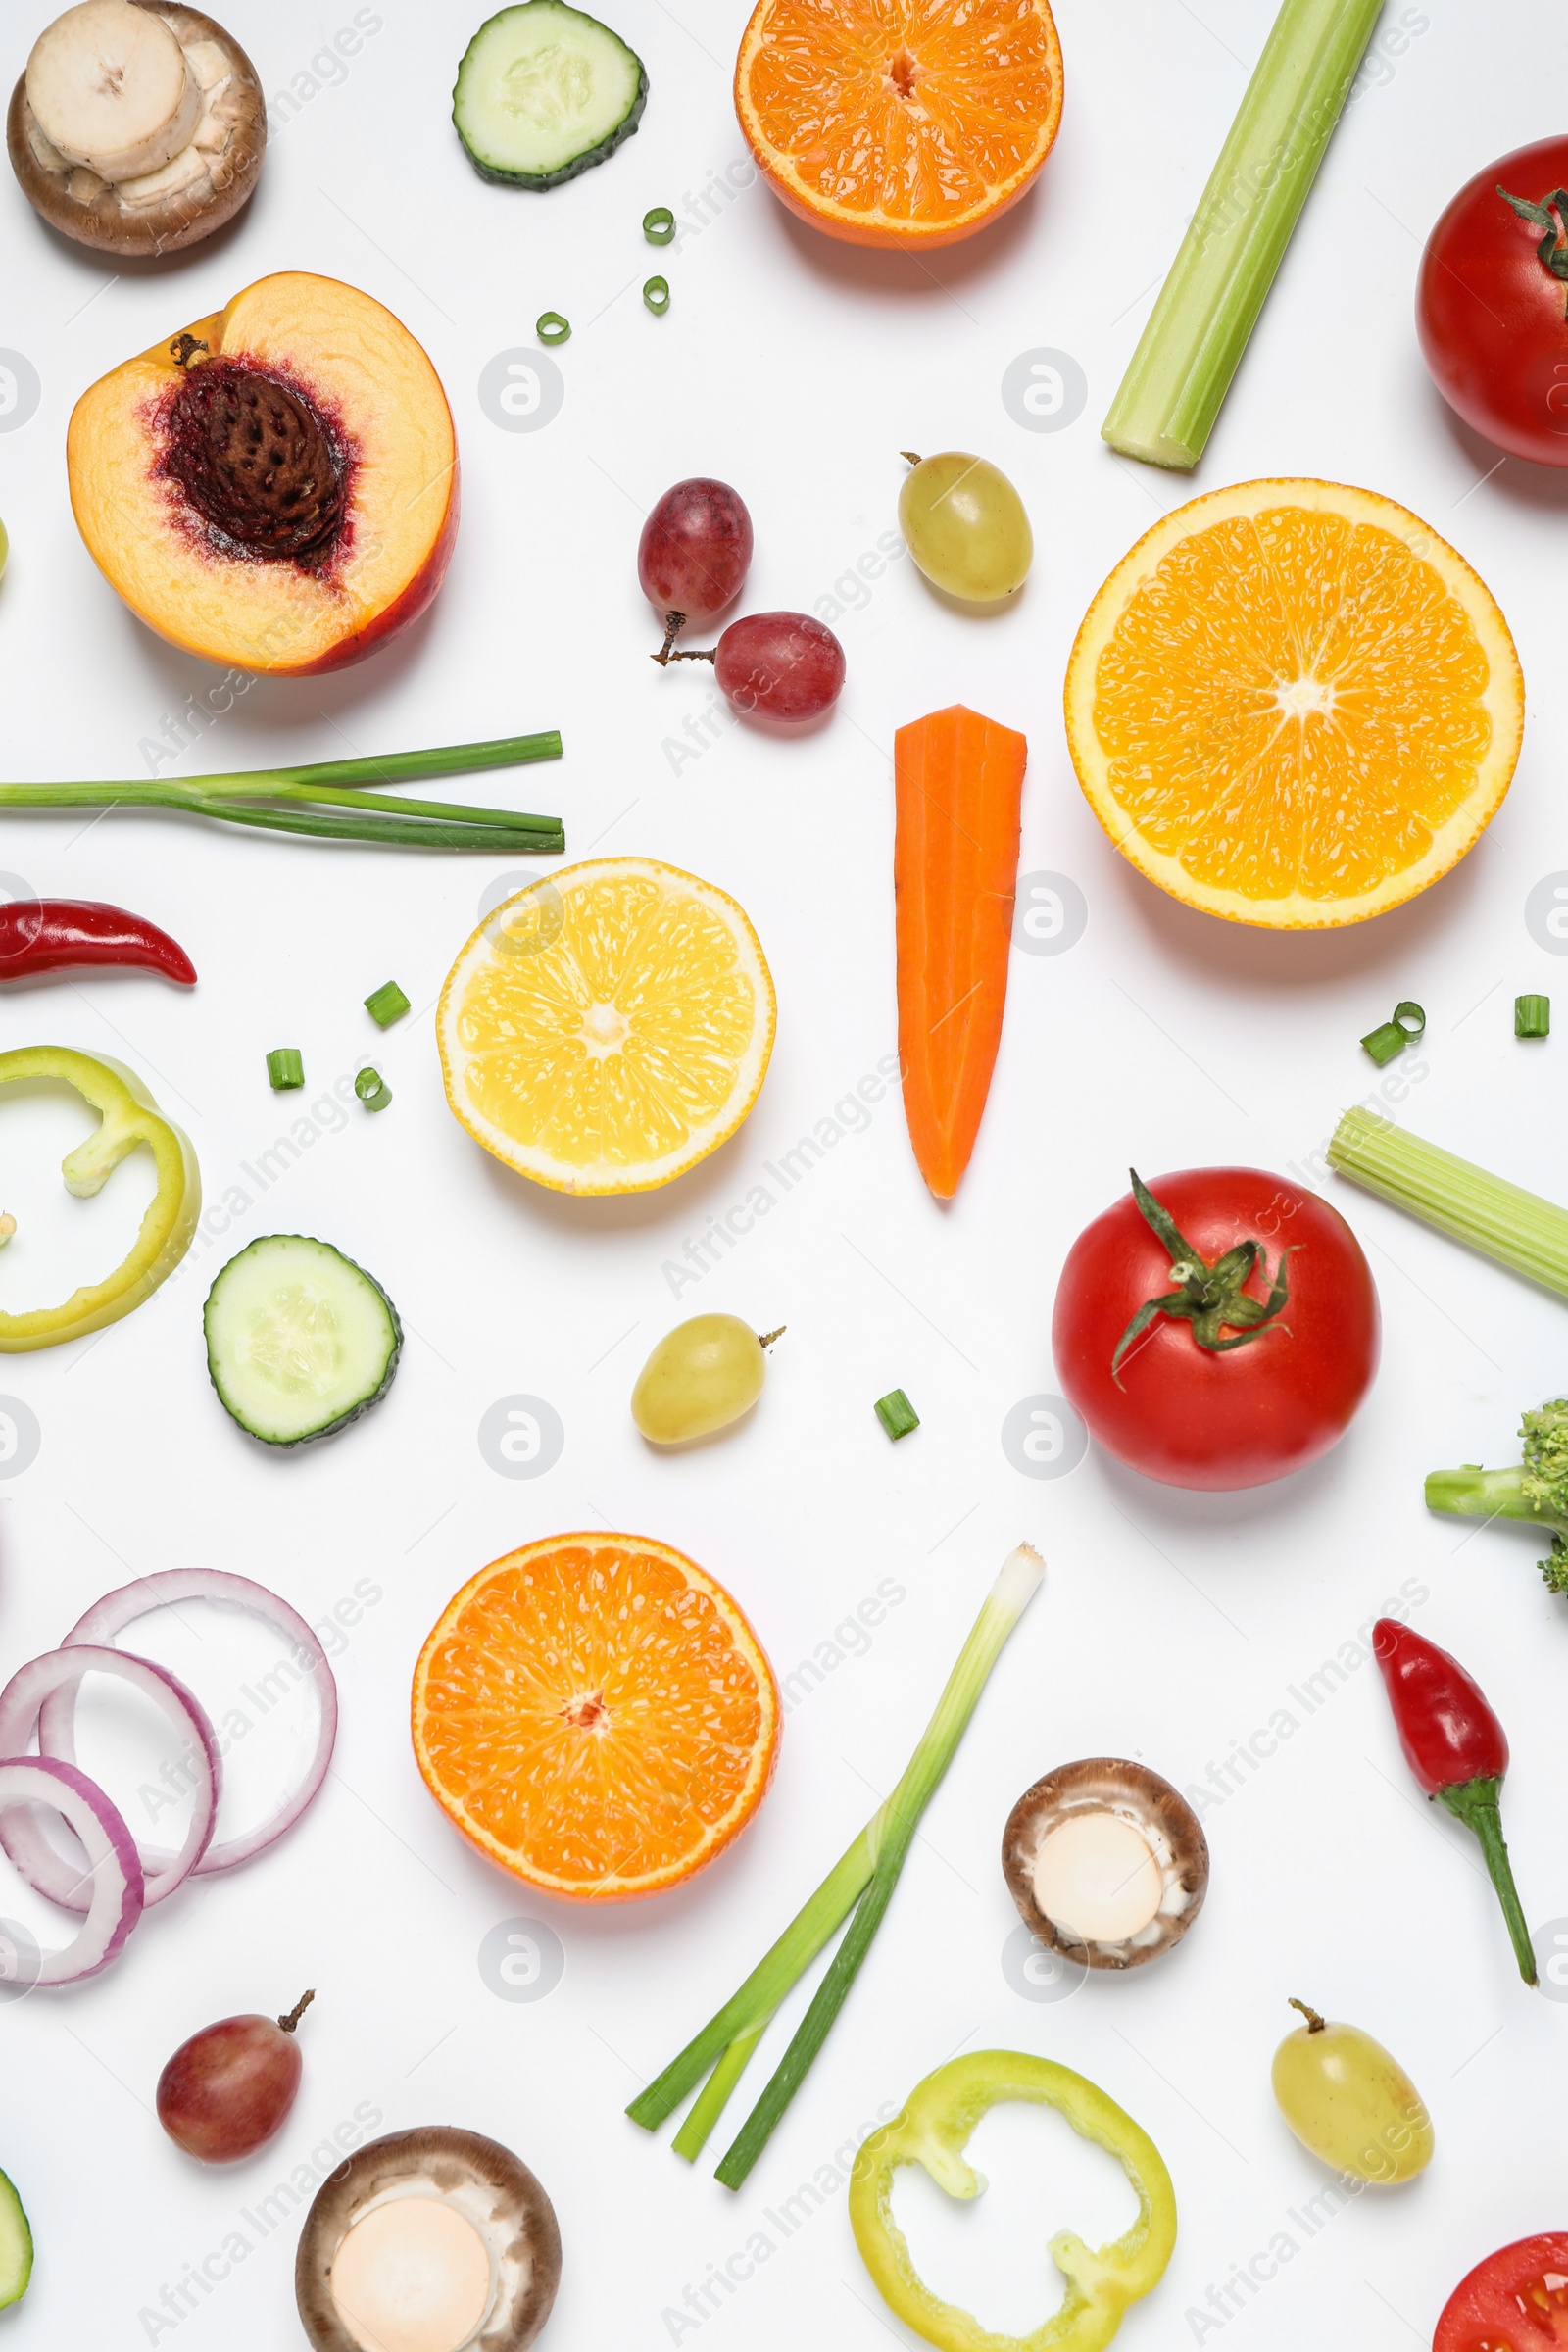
(289, 2023)
(1315, 2023)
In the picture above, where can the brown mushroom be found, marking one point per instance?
(185, 157)
(1107, 1862)
(434, 2240)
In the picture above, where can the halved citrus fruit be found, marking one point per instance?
(1294, 704)
(597, 1715)
(900, 122)
(604, 1030)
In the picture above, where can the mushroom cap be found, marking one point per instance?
(1135, 1794)
(496, 2191)
(112, 227)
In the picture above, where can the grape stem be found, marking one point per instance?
(674, 622)
(664, 658)
(289, 2023)
(765, 1339)
(1315, 2023)
(910, 456)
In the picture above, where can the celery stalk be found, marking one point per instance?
(1208, 305)
(1503, 1221)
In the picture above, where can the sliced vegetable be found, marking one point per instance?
(1390, 1038)
(373, 1088)
(1351, 2103)
(1209, 306)
(965, 526)
(300, 1340)
(861, 1882)
(1105, 1861)
(552, 328)
(57, 1678)
(285, 1069)
(165, 1589)
(1501, 1220)
(658, 226)
(15, 2245)
(1456, 1749)
(544, 92)
(387, 1005)
(933, 2128)
(128, 1117)
(701, 1375)
(958, 787)
(52, 935)
(1241, 1372)
(230, 2089)
(1483, 2313)
(1532, 1016)
(113, 1872)
(656, 294)
(322, 797)
(436, 2237)
(1535, 1488)
(897, 1414)
(1492, 303)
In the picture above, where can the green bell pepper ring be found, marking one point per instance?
(128, 1117)
(933, 2131)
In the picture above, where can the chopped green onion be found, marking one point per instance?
(656, 293)
(864, 1875)
(1532, 1016)
(550, 328)
(1501, 1220)
(1209, 303)
(658, 226)
(320, 799)
(897, 1414)
(284, 1069)
(373, 1088)
(387, 1005)
(1391, 1037)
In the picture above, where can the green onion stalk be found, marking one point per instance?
(1219, 280)
(1503, 1221)
(325, 799)
(860, 1882)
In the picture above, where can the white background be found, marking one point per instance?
(1171, 1625)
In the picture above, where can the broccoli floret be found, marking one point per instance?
(1536, 1489)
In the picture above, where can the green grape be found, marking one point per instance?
(1351, 2103)
(701, 1375)
(965, 526)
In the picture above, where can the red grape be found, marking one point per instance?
(780, 665)
(695, 551)
(229, 2087)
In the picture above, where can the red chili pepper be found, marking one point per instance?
(50, 935)
(1458, 1750)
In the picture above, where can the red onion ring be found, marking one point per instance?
(113, 1863)
(106, 1618)
(57, 1677)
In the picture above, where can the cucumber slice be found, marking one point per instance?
(543, 92)
(15, 2246)
(300, 1340)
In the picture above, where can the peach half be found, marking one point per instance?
(275, 487)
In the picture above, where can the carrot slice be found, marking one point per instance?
(958, 784)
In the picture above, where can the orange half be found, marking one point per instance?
(597, 1715)
(900, 123)
(1294, 704)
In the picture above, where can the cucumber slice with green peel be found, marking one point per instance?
(544, 92)
(300, 1340)
(15, 2246)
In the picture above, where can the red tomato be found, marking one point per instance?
(1492, 317)
(1517, 2297)
(1180, 1412)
